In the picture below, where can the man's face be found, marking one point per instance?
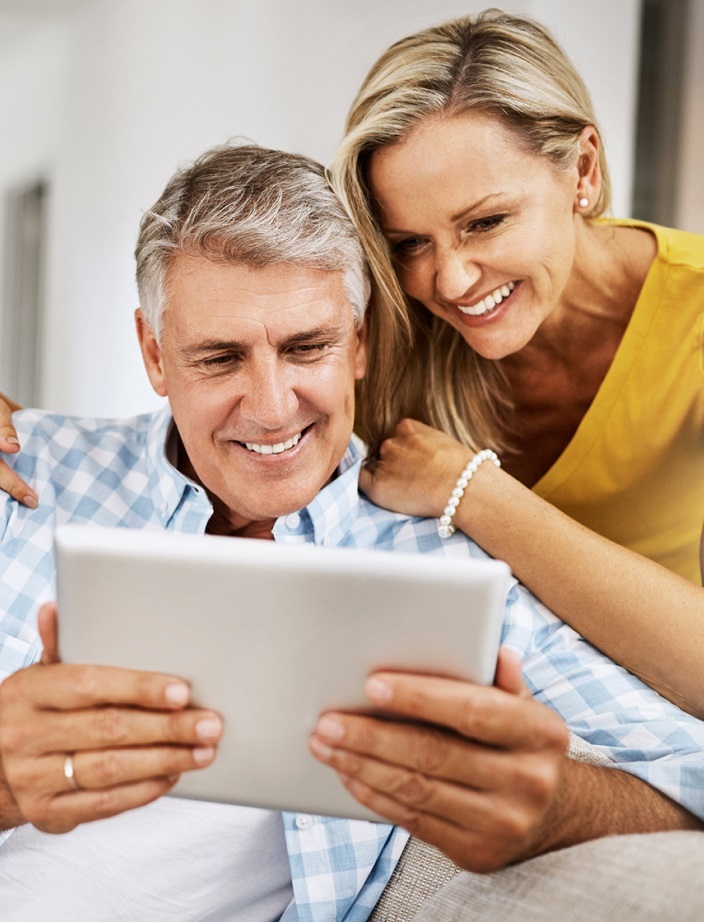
(259, 367)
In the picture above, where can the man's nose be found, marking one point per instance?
(455, 273)
(270, 400)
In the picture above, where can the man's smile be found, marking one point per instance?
(277, 448)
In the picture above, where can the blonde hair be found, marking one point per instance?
(495, 62)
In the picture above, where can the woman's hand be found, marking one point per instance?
(9, 443)
(417, 470)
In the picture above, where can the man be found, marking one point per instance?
(253, 290)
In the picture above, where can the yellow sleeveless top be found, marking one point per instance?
(634, 470)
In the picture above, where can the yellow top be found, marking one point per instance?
(634, 470)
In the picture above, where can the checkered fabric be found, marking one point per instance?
(116, 473)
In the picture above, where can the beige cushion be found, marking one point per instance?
(420, 873)
(657, 877)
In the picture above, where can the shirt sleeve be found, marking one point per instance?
(604, 704)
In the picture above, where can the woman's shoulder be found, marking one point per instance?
(675, 246)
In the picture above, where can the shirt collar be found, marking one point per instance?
(167, 485)
(325, 521)
(328, 519)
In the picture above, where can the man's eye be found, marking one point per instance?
(308, 350)
(482, 225)
(221, 361)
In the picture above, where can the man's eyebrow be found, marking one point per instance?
(317, 334)
(212, 345)
(328, 333)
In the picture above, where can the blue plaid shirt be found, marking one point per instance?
(115, 473)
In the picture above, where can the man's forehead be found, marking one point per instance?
(206, 291)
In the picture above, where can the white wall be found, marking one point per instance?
(108, 99)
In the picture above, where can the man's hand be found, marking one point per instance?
(481, 773)
(130, 734)
(478, 783)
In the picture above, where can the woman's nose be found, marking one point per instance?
(455, 274)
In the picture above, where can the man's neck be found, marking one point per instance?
(220, 524)
(221, 521)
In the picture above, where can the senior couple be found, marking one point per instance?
(253, 289)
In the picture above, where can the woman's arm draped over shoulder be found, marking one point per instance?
(639, 613)
(9, 481)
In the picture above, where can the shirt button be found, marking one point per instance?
(303, 821)
(293, 520)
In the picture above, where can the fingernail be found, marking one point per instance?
(177, 693)
(378, 690)
(12, 440)
(330, 728)
(203, 754)
(209, 728)
(320, 749)
(30, 501)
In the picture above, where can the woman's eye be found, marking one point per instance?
(408, 246)
(486, 224)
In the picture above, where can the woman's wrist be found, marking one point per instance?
(446, 525)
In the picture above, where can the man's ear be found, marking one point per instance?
(360, 359)
(151, 353)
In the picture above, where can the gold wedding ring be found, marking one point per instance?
(70, 772)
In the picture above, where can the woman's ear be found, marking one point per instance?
(151, 353)
(588, 170)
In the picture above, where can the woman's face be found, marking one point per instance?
(482, 230)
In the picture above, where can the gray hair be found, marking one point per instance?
(248, 205)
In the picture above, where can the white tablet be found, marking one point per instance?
(271, 635)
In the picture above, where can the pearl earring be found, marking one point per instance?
(583, 202)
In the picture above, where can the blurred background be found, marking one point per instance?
(100, 100)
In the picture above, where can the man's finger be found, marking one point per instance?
(509, 675)
(49, 633)
(98, 769)
(64, 812)
(70, 687)
(344, 741)
(113, 728)
(483, 713)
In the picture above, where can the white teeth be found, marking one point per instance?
(488, 303)
(274, 449)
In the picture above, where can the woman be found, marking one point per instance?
(508, 313)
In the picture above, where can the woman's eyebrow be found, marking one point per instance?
(480, 203)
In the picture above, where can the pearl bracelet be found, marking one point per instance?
(445, 526)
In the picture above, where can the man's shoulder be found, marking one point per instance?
(43, 433)
(380, 528)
